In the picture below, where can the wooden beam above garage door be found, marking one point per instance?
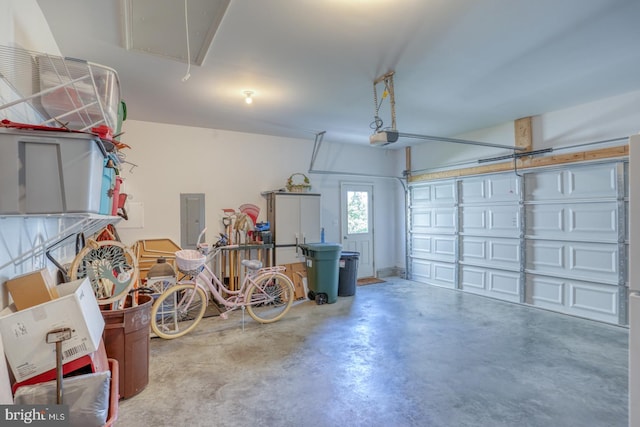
(528, 162)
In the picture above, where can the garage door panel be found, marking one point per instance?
(591, 182)
(545, 292)
(505, 283)
(544, 220)
(434, 272)
(586, 221)
(438, 220)
(599, 260)
(500, 220)
(498, 284)
(473, 221)
(595, 218)
(505, 220)
(445, 219)
(420, 195)
(585, 261)
(490, 252)
(503, 188)
(444, 246)
(420, 245)
(580, 298)
(472, 191)
(473, 279)
(593, 298)
(420, 220)
(473, 249)
(499, 188)
(434, 247)
(544, 185)
(505, 251)
(444, 192)
(444, 274)
(441, 193)
(420, 270)
(545, 256)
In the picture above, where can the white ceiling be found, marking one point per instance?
(459, 65)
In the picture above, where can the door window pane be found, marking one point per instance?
(357, 212)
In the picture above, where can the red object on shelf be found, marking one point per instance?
(115, 200)
(96, 362)
(103, 131)
(5, 123)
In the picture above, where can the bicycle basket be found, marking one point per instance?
(189, 261)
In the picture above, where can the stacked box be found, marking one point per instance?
(297, 272)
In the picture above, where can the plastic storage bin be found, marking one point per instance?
(79, 93)
(43, 172)
(106, 191)
(322, 271)
(348, 274)
(126, 339)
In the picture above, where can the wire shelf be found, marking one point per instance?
(49, 90)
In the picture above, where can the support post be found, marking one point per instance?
(524, 135)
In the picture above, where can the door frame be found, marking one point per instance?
(369, 186)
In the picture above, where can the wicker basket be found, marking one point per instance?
(190, 261)
(298, 183)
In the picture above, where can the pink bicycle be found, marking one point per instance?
(265, 292)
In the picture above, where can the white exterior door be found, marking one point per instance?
(357, 224)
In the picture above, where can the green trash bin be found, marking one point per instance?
(322, 261)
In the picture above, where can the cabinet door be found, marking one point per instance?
(287, 220)
(310, 219)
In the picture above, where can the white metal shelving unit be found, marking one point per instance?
(25, 238)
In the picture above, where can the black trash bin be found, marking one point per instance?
(348, 274)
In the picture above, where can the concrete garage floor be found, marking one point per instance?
(396, 354)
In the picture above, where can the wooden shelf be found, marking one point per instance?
(228, 264)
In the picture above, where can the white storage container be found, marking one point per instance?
(24, 332)
(79, 93)
(45, 172)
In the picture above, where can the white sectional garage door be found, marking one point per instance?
(552, 238)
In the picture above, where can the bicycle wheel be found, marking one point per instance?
(178, 310)
(270, 297)
(111, 267)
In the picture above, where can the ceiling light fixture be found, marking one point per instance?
(248, 96)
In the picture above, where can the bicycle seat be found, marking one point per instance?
(252, 264)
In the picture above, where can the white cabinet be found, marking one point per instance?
(294, 219)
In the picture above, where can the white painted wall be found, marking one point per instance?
(608, 118)
(232, 168)
(22, 24)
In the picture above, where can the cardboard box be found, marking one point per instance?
(32, 289)
(24, 332)
(297, 272)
